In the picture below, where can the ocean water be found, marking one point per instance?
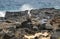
(7, 5)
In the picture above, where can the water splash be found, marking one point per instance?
(57, 7)
(2, 14)
(27, 7)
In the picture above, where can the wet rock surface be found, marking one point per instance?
(42, 24)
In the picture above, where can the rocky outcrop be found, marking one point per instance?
(16, 16)
(19, 25)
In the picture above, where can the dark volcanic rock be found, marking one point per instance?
(17, 24)
(16, 16)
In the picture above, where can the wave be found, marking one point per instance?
(26, 7)
(57, 7)
(2, 13)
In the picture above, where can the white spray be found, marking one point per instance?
(26, 7)
(2, 14)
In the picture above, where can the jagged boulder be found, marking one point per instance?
(17, 17)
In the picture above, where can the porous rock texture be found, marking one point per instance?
(42, 24)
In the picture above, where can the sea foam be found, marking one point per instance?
(2, 14)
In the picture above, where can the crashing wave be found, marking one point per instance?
(26, 7)
(2, 14)
(57, 7)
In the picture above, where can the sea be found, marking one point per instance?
(17, 5)
(22, 5)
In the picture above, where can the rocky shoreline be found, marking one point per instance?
(38, 24)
